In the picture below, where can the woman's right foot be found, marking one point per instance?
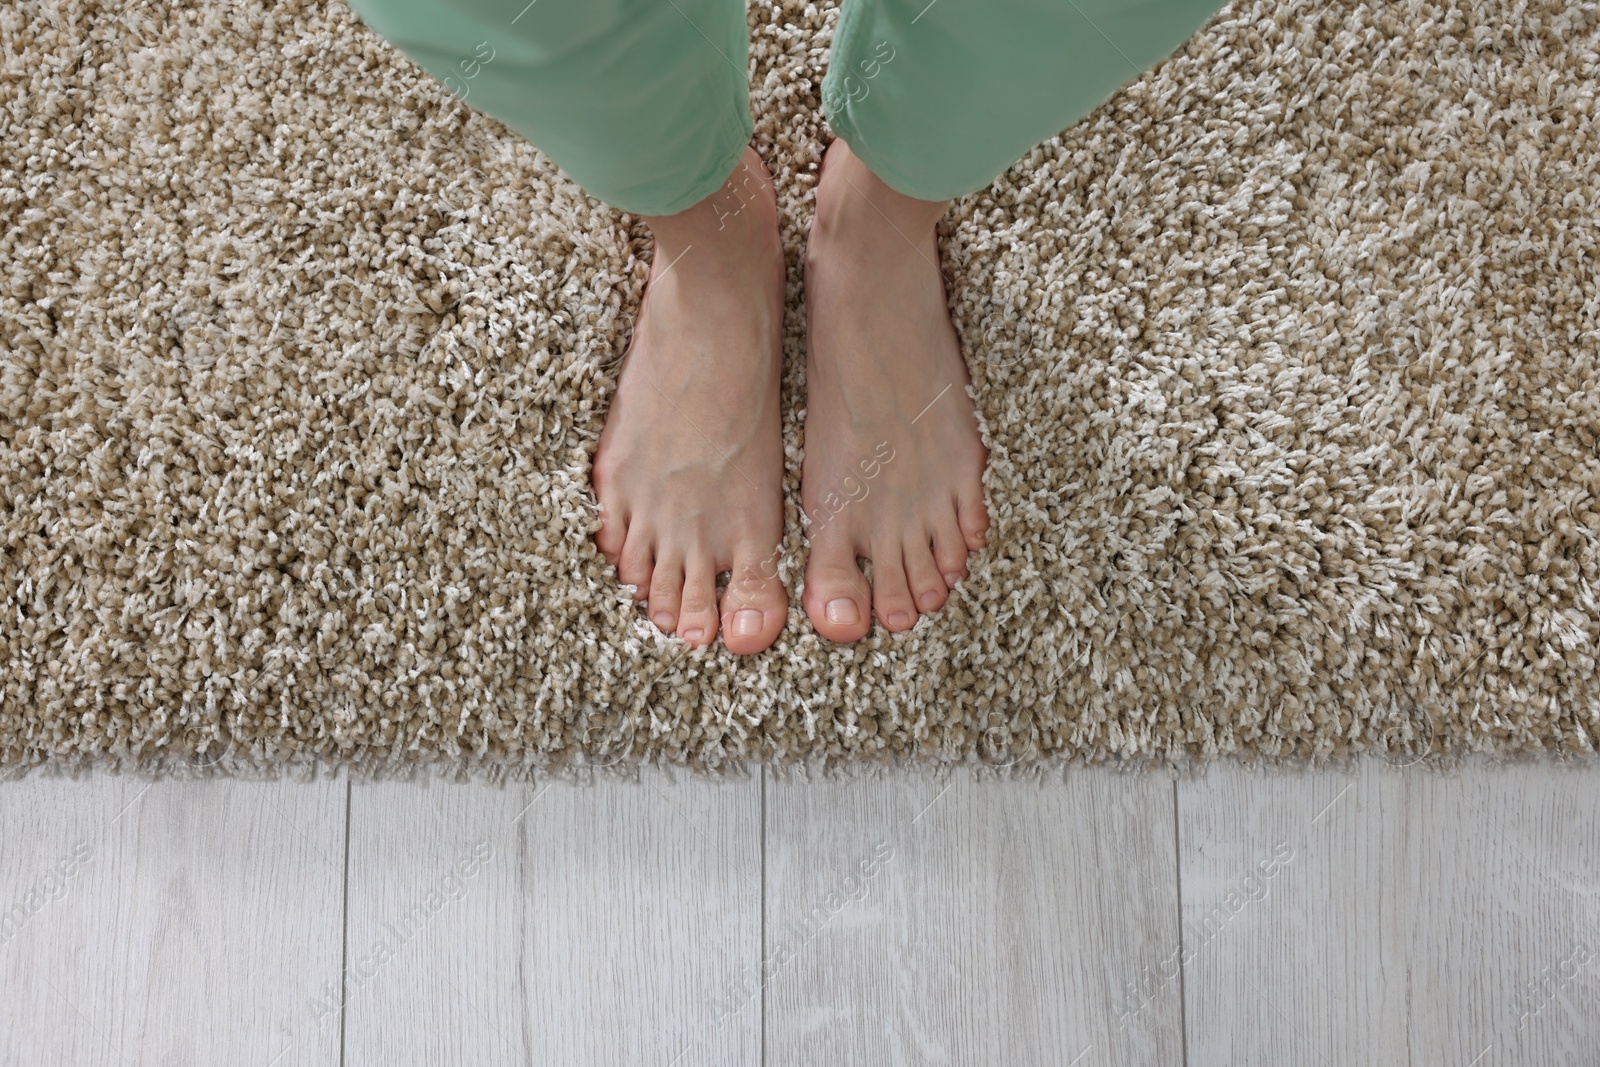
(689, 469)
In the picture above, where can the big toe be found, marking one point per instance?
(836, 599)
(755, 604)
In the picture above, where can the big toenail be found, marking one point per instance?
(663, 619)
(746, 623)
(899, 619)
(692, 636)
(843, 611)
(953, 579)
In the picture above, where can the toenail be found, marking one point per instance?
(930, 600)
(746, 623)
(692, 636)
(663, 619)
(953, 579)
(899, 619)
(843, 611)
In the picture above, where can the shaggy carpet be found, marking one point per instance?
(1286, 355)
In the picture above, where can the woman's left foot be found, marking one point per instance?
(894, 462)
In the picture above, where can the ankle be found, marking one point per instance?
(852, 201)
(733, 225)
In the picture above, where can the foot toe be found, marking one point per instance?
(950, 549)
(635, 563)
(755, 604)
(836, 596)
(613, 533)
(666, 593)
(928, 587)
(697, 615)
(973, 515)
(891, 593)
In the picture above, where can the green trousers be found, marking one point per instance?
(646, 103)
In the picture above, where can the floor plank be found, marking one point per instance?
(1392, 916)
(553, 924)
(171, 922)
(913, 922)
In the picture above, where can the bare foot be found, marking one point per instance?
(689, 469)
(893, 458)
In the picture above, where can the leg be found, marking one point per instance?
(646, 105)
(930, 101)
(939, 98)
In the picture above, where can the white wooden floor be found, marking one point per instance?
(1386, 917)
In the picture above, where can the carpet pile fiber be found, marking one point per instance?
(1287, 358)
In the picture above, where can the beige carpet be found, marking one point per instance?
(1287, 357)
